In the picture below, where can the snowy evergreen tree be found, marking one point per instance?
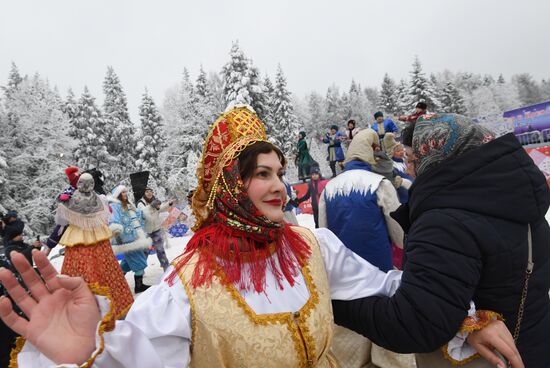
(187, 120)
(402, 100)
(360, 108)
(152, 138)
(501, 79)
(119, 132)
(236, 78)
(259, 99)
(89, 129)
(333, 103)
(529, 92)
(316, 125)
(451, 100)
(388, 95)
(545, 89)
(33, 142)
(269, 100)
(420, 89)
(202, 89)
(285, 126)
(215, 84)
(14, 80)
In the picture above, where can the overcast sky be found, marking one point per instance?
(71, 42)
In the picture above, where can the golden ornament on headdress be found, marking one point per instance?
(230, 134)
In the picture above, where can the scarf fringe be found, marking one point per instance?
(243, 257)
(65, 216)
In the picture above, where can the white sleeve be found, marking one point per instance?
(387, 200)
(350, 276)
(155, 333)
(164, 206)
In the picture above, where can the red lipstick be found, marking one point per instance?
(275, 202)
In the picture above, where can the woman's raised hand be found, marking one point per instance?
(62, 313)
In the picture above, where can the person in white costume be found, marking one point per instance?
(249, 290)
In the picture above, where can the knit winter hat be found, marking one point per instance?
(439, 137)
(13, 229)
(302, 134)
(334, 126)
(390, 144)
(422, 105)
(378, 114)
(315, 170)
(72, 175)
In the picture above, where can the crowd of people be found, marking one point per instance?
(422, 244)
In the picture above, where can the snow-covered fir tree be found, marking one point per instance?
(269, 115)
(89, 129)
(316, 125)
(34, 149)
(421, 89)
(202, 88)
(285, 126)
(333, 103)
(236, 78)
(451, 100)
(187, 122)
(259, 99)
(14, 79)
(529, 92)
(359, 105)
(152, 140)
(388, 95)
(119, 130)
(501, 79)
(402, 100)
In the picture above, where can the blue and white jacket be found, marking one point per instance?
(356, 206)
(127, 227)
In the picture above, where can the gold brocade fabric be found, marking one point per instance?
(97, 264)
(226, 332)
(74, 235)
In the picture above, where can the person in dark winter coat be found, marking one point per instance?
(314, 190)
(467, 224)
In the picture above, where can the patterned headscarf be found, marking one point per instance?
(439, 137)
(231, 234)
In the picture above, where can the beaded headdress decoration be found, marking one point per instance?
(230, 134)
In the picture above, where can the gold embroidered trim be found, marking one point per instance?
(445, 351)
(107, 324)
(192, 304)
(480, 321)
(19, 343)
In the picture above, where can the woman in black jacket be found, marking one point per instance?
(467, 239)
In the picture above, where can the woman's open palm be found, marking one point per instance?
(62, 311)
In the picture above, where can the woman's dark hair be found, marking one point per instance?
(407, 135)
(248, 158)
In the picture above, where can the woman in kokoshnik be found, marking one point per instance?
(249, 290)
(88, 251)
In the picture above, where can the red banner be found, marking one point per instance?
(301, 190)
